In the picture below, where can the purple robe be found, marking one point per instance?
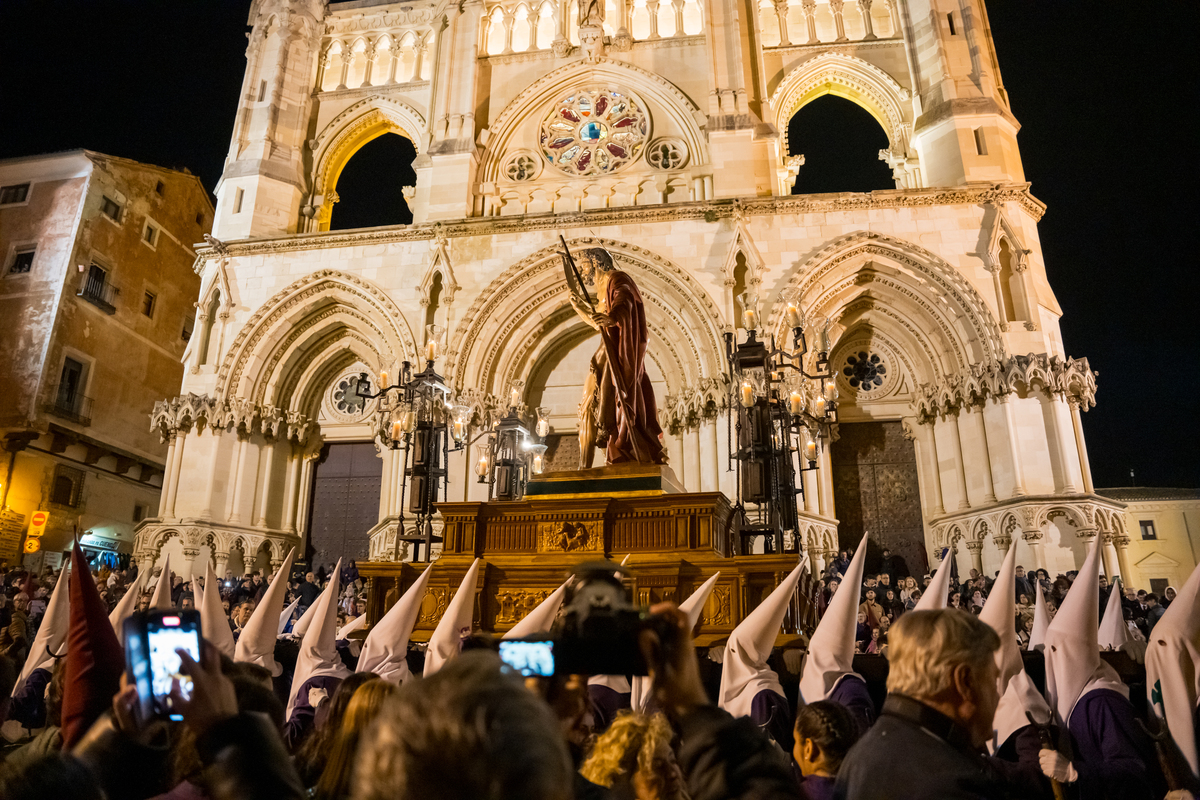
(771, 712)
(606, 703)
(300, 724)
(817, 787)
(28, 704)
(852, 693)
(1114, 757)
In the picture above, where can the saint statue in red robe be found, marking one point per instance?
(618, 411)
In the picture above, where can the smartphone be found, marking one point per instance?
(151, 641)
(528, 658)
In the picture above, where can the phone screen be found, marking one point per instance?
(164, 635)
(528, 658)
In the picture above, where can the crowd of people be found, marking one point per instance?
(289, 699)
(887, 594)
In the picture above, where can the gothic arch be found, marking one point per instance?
(307, 331)
(523, 315)
(926, 307)
(345, 135)
(850, 78)
(656, 94)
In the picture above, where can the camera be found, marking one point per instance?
(596, 634)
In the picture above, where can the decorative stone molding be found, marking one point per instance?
(187, 411)
(220, 539)
(711, 211)
(687, 408)
(1030, 515)
(1072, 378)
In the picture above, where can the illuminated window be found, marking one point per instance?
(594, 131)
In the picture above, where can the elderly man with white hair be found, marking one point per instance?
(942, 695)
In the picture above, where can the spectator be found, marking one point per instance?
(942, 695)
(1168, 597)
(825, 732)
(364, 707)
(309, 591)
(14, 638)
(313, 755)
(465, 733)
(872, 608)
(1024, 587)
(634, 758)
(913, 599)
(1154, 612)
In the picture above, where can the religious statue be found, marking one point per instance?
(618, 411)
(591, 12)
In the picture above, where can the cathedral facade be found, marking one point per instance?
(659, 131)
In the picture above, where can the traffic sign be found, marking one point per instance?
(37, 525)
(32, 545)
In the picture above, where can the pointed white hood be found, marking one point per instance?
(1017, 692)
(51, 639)
(693, 607)
(162, 591)
(356, 624)
(1173, 669)
(318, 651)
(460, 614)
(540, 619)
(1113, 630)
(127, 604)
(1041, 619)
(935, 597)
(831, 649)
(744, 671)
(256, 644)
(214, 624)
(286, 614)
(301, 626)
(1073, 665)
(197, 592)
(385, 650)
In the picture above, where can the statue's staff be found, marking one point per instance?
(574, 279)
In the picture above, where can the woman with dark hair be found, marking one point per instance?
(365, 704)
(313, 754)
(825, 731)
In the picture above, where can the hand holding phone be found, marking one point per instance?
(153, 641)
(212, 697)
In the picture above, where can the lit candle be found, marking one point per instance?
(481, 468)
(431, 350)
(810, 450)
(516, 398)
(831, 391)
(407, 419)
(796, 402)
(775, 377)
(820, 406)
(750, 319)
(543, 427)
(383, 383)
(793, 315)
(537, 464)
(396, 429)
(747, 394)
(458, 430)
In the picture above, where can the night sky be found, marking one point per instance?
(1105, 92)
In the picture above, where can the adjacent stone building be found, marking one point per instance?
(658, 130)
(97, 297)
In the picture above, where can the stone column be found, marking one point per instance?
(939, 507)
(210, 481)
(1085, 466)
(1112, 565)
(677, 5)
(810, 18)
(691, 456)
(177, 467)
(960, 467)
(864, 6)
(894, 12)
(1014, 451)
(168, 477)
(836, 7)
(248, 560)
(221, 557)
(825, 478)
(308, 463)
(189, 561)
(781, 11)
(975, 548)
(1033, 538)
(711, 460)
(508, 28)
(812, 502)
(1122, 545)
(265, 496)
(239, 476)
(1060, 454)
(652, 9)
(418, 59)
(975, 412)
(290, 491)
(346, 57)
(370, 55)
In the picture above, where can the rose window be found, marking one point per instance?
(864, 372)
(594, 131)
(345, 397)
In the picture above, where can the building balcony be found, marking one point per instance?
(101, 294)
(71, 406)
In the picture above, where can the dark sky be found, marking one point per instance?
(1105, 92)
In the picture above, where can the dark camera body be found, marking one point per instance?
(598, 631)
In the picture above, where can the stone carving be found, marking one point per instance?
(515, 604)
(187, 411)
(570, 537)
(1071, 377)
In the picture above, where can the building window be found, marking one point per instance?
(593, 131)
(98, 291)
(186, 333)
(22, 261)
(14, 194)
(980, 144)
(200, 219)
(262, 91)
(950, 22)
(237, 202)
(111, 209)
(150, 236)
(140, 512)
(1148, 532)
(67, 487)
(148, 304)
(158, 187)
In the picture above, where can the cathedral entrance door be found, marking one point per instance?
(875, 489)
(345, 502)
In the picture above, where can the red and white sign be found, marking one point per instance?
(37, 524)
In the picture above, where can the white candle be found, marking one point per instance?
(831, 392)
(543, 427)
(810, 450)
(482, 467)
(537, 464)
(383, 383)
(395, 431)
(750, 319)
(775, 377)
(516, 398)
(747, 394)
(431, 350)
(458, 430)
(820, 407)
(793, 315)
(796, 402)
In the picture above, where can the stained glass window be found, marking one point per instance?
(594, 131)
